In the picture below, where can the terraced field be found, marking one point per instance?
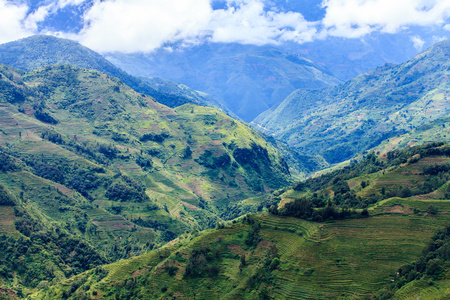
(7, 220)
(348, 259)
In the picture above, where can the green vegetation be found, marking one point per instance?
(41, 51)
(389, 102)
(283, 256)
(88, 162)
(290, 259)
(429, 267)
(107, 194)
(414, 171)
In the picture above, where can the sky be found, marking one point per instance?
(146, 25)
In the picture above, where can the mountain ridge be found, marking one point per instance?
(43, 50)
(358, 115)
(90, 162)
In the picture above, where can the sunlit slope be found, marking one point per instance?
(293, 259)
(110, 168)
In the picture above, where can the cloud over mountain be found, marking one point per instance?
(142, 26)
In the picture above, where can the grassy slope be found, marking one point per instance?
(111, 113)
(438, 130)
(340, 259)
(350, 259)
(339, 122)
(93, 111)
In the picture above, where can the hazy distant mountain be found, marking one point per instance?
(339, 122)
(247, 79)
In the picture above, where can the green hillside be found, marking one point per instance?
(374, 253)
(87, 159)
(42, 50)
(434, 131)
(340, 122)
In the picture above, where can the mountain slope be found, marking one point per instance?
(41, 50)
(248, 79)
(281, 257)
(341, 121)
(84, 157)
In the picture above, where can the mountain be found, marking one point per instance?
(397, 247)
(93, 171)
(247, 79)
(250, 79)
(340, 122)
(42, 50)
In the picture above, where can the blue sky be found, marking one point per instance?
(145, 25)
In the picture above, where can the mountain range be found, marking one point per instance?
(43, 50)
(342, 121)
(247, 79)
(110, 192)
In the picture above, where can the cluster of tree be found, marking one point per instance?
(304, 208)
(6, 198)
(12, 93)
(101, 153)
(436, 169)
(40, 254)
(144, 162)
(82, 178)
(253, 237)
(261, 170)
(52, 136)
(7, 163)
(187, 153)
(234, 210)
(154, 137)
(201, 262)
(44, 116)
(126, 190)
(150, 224)
(208, 160)
(431, 264)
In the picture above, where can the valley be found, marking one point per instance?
(121, 187)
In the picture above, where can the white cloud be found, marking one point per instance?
(145, 25)
(11, 21)
(249, 23)
(418, 42)
(142, 25)
(63, 3)
(38, 16)
(356, 18)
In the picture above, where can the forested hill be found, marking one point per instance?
(92, 171)
(41, 50)
(376, 229)
(342, 121)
